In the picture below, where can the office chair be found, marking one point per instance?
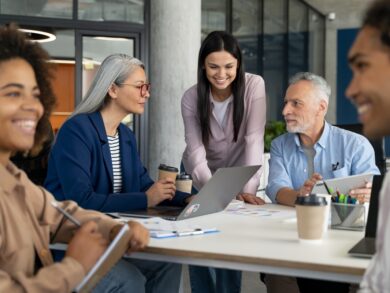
(377, 144)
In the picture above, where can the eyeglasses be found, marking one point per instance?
(143, 88)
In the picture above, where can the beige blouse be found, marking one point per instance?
(27, 223)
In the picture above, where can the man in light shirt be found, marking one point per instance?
(311, 150)
(314, 149)
(369, 90)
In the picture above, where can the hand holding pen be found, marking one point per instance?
(87, 244)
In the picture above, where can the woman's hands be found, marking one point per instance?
(250, 198)
(161, 190)
(139, 236)
(87, 245)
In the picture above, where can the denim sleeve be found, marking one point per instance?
(278, 172)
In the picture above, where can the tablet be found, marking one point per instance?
(343, 184)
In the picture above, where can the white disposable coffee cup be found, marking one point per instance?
(328, 199)
(165, 171)
(184, 183)
(311, 217)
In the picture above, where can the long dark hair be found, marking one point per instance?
(219, 41)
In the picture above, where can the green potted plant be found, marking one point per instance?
(272, 130)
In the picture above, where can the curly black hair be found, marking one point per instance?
(378, 16)
(15, 44)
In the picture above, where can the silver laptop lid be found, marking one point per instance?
(219, 191)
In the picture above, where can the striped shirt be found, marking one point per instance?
(113, 142)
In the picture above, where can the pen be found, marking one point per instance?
(66, 214)
(326, 187)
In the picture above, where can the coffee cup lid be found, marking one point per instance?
(183, 176)
(311, 200)
(168, 168)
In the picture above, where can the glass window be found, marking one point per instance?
(274, 55)
(316, 55)
(213, 16)
(114, 10)
(246, 25)
(297, 38)
(41, 8)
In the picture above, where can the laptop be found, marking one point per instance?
(366, 246)
(214, 196)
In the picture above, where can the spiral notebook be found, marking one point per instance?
(109, 258)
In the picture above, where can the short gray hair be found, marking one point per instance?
(318, 82)
(115, 69)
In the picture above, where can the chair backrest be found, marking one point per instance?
(377, 144)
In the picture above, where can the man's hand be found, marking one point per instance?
(307, 187)
(87, 245)
(363, 193)
(161, 190)
(250, 198)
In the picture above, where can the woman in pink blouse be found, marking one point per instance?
(224, 116)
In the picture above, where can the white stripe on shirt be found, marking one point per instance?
(113, 142)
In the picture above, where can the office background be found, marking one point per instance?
(278, 38)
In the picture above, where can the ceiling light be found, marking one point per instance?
(38, 36)
(111, 39)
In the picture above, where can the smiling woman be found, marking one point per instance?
(20, 107)
(28, 222)
(95, 161)
(26, 95)
(224, 118)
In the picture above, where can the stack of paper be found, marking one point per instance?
(160, 228)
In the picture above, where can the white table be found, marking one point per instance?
(262, 244)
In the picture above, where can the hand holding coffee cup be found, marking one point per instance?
(311, 217)
(161, 190)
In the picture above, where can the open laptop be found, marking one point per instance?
(214, 197)
(366, 246)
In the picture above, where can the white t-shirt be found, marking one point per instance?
(220, 109)
(377, 275)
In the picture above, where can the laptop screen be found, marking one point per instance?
(372, 218)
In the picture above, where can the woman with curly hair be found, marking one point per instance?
(28, 221)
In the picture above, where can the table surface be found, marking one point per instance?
(266, 244)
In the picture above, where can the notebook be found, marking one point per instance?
(107, 260)
(366, 246)
(214, 197)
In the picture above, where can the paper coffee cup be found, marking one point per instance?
(311, 217)
(184, 183)
(165, 171)
(328, 199)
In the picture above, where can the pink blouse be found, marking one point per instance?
(201, 161)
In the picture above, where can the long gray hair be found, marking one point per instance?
(116, 68)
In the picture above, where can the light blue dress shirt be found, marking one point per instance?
(339, 153)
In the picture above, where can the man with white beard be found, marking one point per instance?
(313, 149)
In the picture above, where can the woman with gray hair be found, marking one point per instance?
(94, 160)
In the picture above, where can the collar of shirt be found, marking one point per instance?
(9, 177)
(212, 100)
(321, 142)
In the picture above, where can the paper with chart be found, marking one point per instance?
(161, 228)
(240, 208)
